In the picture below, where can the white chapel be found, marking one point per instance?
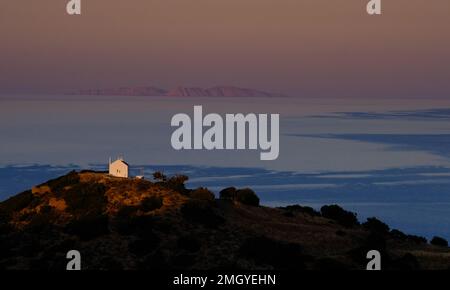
(118, 168)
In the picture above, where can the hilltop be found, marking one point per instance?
(137, 224)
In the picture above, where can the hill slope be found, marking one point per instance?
(137, 224)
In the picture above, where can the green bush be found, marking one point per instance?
(438, 241)
(375, 225)
(247, 196)
(228, 193)
(337, 213)
(151, 203)
(202, 193)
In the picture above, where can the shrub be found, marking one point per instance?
(46, 209)
(396, 234)
(301, 209)
(89, 226)
(343, 217)
(228, 193)
(140, 226)
(151, 203)
(201, 211)
(43, 221)
(288, 214)
(375, 225)
(247, 196)
(159, 176)
(84, 199)
(177, 183)
(143, 185)
(17, 203)
(373, 241)
(202, 193)
(417, 239)
(438, 241)
(266, 251)
(127, 211)
(59, 183)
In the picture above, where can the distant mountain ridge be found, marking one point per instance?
(180, 91)
(124, 91)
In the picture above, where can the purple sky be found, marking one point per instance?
(298, 47)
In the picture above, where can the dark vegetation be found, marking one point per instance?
(176, 182)
(202, 212)
(228, 193)
(338, 214)
(202, 193)
(293, 209)
(138, 224)
(151, 203)
(85, 199)
(60, 183)
(375, 225)
(16, 203)
(89, 226)
(438, 241)
(264, 251)
(417, 239)
(245, 196)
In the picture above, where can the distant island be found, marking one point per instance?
(137, 224)
(180, 91)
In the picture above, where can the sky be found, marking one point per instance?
(313, 48)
